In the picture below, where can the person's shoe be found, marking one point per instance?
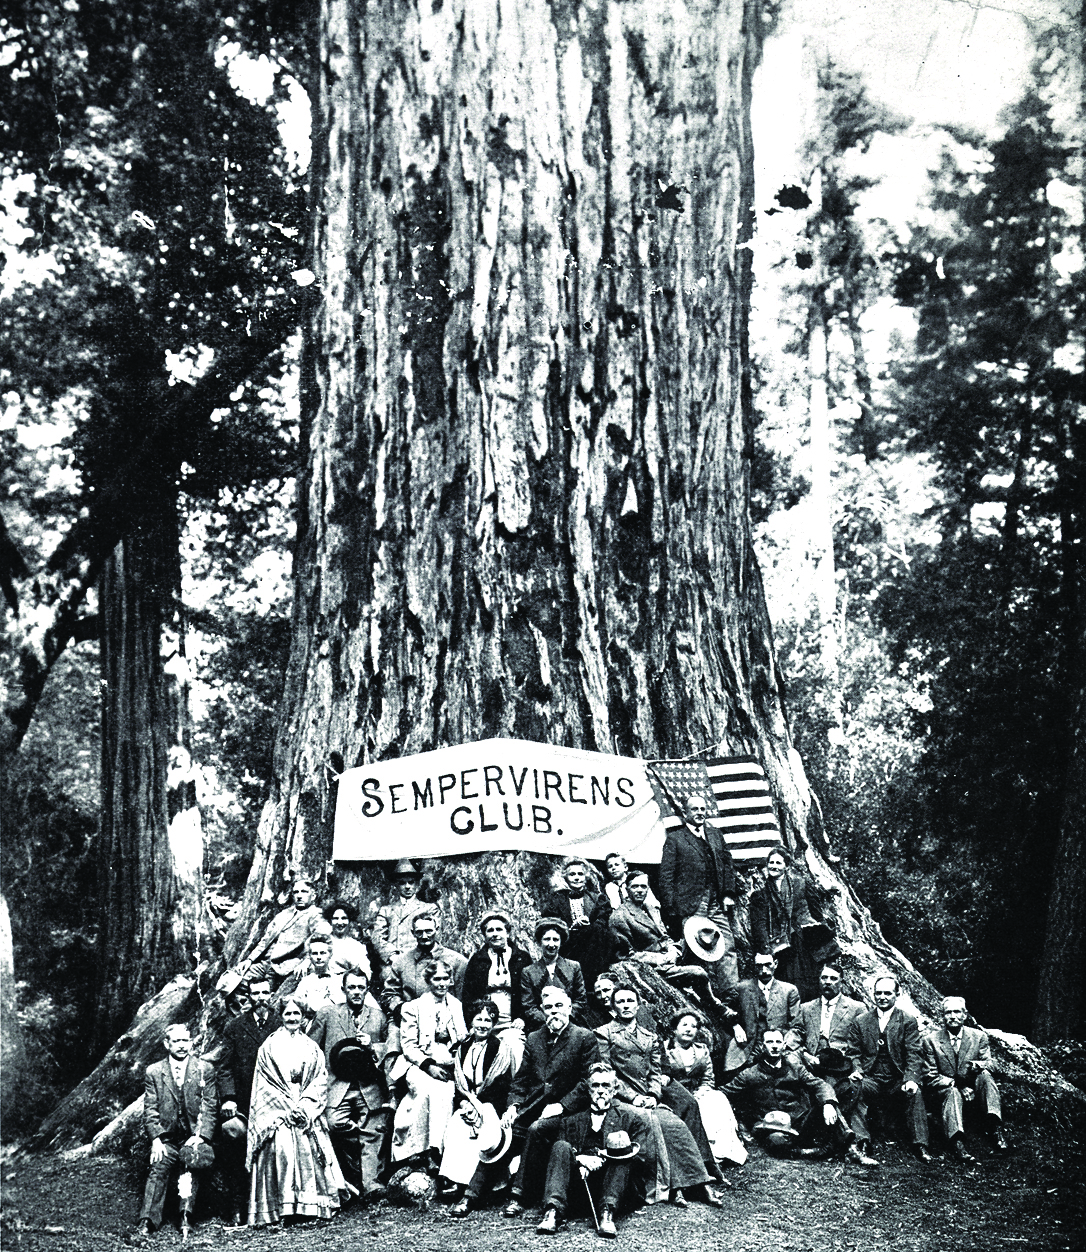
(185, 1227)
(143, 1230)
(677, 1198)
(957, 1146)
(375, 1194)
(607, 1224)
(814, 1154)
(713, 1198)
(922, 1154)
(462, 1207)
(448, 1188)
(514, 1208)
(998, 1141)
(858, 1156)
(549, 1224)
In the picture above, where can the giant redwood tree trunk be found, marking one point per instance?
(150, 852)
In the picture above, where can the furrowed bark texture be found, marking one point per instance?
(150, 849)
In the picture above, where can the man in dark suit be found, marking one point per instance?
(602, 1142)
(242, 1037)
(357, 1105)
(552, 1081)
(697, 878)
(779, 1083)
(823, 1028)
(179, 1117)
(550, 970)
(764, 1003)
(887, 1060)
(956, 1073)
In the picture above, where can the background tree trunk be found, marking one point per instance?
(150, 856)
(12, 1046)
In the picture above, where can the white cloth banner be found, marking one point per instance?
(498, 795)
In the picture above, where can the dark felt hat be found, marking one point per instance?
(351, 1061)
(834, 1063)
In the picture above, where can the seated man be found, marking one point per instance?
(600, 1010)
(642, 937)
(823, 1027)
(354, 1037)
(551, 1082)
(956, 1063)
(282, 949)
(602, 1143)
(765, 1003)
(179, 1113)
(405, 980)
(634, 1054)
(552, 969)
(791, 1109)
(887, 1059)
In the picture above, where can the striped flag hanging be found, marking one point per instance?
(736, 785)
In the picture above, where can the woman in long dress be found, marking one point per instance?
(430, 1027)
(482, 1073)
(294, 1171)
(688, 1062)
(786, 923)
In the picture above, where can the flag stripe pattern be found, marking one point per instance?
(736, 792)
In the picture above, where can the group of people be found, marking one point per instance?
(545, 1081)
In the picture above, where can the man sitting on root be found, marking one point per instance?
(607, 1145)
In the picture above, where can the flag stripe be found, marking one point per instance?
(744, 815)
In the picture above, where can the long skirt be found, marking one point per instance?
(678, 1161)
(422, 1115)
(720, 1126)
(460, 1151)
(295, 1173)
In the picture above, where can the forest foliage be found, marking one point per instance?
(160, 219)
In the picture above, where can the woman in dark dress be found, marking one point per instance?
(786, 923)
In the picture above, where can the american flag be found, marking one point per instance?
(737, 795)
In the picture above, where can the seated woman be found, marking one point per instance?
(430, 1027)
(294, 1169)
(688, 1062)
(551, 969)
(347, 951)
(482, 1072)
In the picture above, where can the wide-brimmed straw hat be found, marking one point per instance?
(692, 928)
(777, 1122)
(617, 1146)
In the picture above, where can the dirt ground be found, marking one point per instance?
(1035, 1198)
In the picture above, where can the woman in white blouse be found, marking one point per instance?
(430, 1027)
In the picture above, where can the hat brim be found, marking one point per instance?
(692, 926)
(499, 1149)
(623, 1156)
(236, 1127)
(777, 1130)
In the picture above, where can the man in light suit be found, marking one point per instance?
(357, 1107)
(697, 879)
(405, 980)
(242, 1037)
(179, 1114)
(887, 1060)
(822, 1028)
(764, 1003)
(956, 1073)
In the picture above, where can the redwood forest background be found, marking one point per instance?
(915, 381)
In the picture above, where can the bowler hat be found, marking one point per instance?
(198, 1155)
(617, 1146)
(551, 923)
(833, 1062)
(777, 1122)
(692, 928)
(351, 1061)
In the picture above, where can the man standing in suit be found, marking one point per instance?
(552, 969)
(179, 1117)
(405, 981)
(357, 1107)
(765, 1003)
(823, 1034)
(602, 1142)
(887, 1060)
(697, 878)
(242, 1038)
(551, 1082)
(956, 1064)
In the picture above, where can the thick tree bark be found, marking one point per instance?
(150, 850)
(12, 1046)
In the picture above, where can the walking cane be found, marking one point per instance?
(588, 1191)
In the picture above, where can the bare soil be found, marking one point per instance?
(1034, 1198)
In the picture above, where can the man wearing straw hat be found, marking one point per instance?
(242, 1038)
(602, 1144)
